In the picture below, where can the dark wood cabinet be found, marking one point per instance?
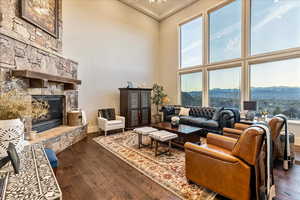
(135, 106)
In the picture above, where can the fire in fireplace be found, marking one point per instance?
(55, 114)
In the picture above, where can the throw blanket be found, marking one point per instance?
(266, 187)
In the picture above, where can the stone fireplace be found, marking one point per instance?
(26, 47)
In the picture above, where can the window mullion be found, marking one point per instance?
(244, 83)
(246, 26)
(205, 59)
(205, 87)
(205, 38)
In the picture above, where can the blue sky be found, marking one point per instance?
(275, 26)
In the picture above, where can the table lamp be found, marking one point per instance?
(251, 107)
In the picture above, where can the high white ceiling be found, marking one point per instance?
(159, 11)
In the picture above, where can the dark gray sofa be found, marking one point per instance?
(210, 118)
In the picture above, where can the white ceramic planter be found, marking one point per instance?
(11, 131)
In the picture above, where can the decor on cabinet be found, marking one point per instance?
(15, 106)
(43, 14)
(158, 99)
(130, 84)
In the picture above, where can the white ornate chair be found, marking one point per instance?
(108, 120)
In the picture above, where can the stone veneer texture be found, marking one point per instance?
(66, 139)
(12, 24)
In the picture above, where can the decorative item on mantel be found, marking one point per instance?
(43, 14)
(159, 98)
(15, 106)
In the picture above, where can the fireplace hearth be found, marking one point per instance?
(55, 116)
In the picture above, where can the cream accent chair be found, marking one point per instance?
(107, 120)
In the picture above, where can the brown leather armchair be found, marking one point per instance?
(276, 125)
(236, 131)
(225, 164)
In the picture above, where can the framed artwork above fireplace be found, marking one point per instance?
(42, 13)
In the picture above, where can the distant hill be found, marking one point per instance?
(285, 93)
(275, 100)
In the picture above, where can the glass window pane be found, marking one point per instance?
(275, 25)
(276, 87)
(225, 32)
(191, 43)
(224, 87)
(191, 89)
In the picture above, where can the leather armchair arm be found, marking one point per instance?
(233, 131)
(221, 141)
(210, 152)
(241, 126)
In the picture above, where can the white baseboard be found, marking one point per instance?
(92, 128)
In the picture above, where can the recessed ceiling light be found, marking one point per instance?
(157, 1)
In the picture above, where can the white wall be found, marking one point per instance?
(113, 43)
(169, 54)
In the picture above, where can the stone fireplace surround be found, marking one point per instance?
(14, 52)
(24, 46)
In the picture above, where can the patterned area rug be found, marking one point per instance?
(168, 171)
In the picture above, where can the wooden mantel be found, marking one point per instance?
(40, 80)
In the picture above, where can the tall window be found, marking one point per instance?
(191, 43)
(275, 25)
(224, 87)
(271, 79)
(276, 87)
(191, 89)
(225, 32)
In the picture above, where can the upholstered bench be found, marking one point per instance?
(162, 136)
(52, 159)
(143, 131)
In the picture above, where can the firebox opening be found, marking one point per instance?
(55, 115)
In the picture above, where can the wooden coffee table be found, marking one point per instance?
(185, 133)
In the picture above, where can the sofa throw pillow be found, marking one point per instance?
(184, 111)
(217, 114)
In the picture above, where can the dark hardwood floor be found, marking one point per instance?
(88, 171)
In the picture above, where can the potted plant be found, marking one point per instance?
(158, 98)
(15, 106)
